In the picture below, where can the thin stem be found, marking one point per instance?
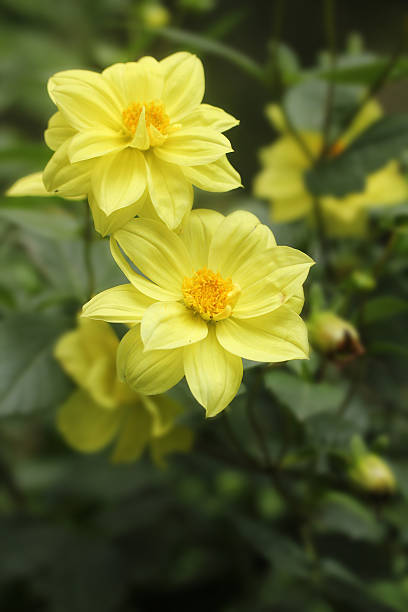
(236, 442)
(329, 20)
(10, 484)
(275, 73)
(88, 231)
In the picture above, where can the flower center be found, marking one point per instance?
(210, 295)
(156, 118)
(336, 149)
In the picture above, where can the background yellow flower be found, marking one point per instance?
(284, 163)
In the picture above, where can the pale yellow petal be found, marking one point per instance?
(197, 232)
(108, 224)
(88, 355)
(118, 179)
(148, 372)
(386, 186)
(141, 138)
(211, 117)
(277, 336)
(86, 99)
(58, 131)
(169, 325)
(296, 301)
(218, 176)
(370, 113)
(30, 185)
(157, 252)
(65, 179)
(136, 81)
(276, 117)
(121, 304)
(183, 84)
(193, 147)
(164, 410)
(288, 209)
(171, 193)
(238, 238)
(212, 373)
(279, 182)
(85, 425)
(94, 143)
(134, 434)
(140, 282)
(178, 440)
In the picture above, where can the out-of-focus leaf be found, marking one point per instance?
(387, 348)
(52, 222)
(383, 307)
(30, 378)
(330, 432)
(304, 399)
(394, 594)
(364, 69)
(306, 102)
(340, 513)
(382, 141)
(274, 546)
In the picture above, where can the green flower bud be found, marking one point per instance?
(370, 473)
(155, 16)
(334, 336)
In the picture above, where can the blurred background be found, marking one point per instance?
(79, 534)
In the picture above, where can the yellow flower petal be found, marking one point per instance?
(296, 301)
(94, 143)
(212, 373)
(148, 372)
(193, 147)
(140, 81)
(85, 425)
(171, 193)
(197, 232)
(66, 179)
(157, 252)
(164, 410)
(88, 355)
(279, 182)
(86, 99)
(289, 209)
(118, 179)
(108, 224)
(183, 84)
(168, 325)
(238, 238)
(140, 282)
(178, 440)
(30, 185)
(370, 113)
(277, 336)
(134, 434)
(211, 117)
(291, 268)
(217, 176)
(121, 304)
(58, 131)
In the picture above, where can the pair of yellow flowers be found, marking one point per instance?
(204, 290)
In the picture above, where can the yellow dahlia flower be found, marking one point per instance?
(104, 409)
(281, 180)
(219, 291)
(137, 131)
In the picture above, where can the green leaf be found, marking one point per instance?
(383, 307)
(381, 142)
(52, 222)
(304, 399)
(340, 513)
(30, 378)
(364, 69)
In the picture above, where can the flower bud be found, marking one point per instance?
(370, 473)
(334, 336)
(155, 16)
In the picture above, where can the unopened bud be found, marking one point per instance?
(370, 473)
(334, 336)
(155, 15)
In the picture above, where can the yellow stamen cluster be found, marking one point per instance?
(210, 295)
(155, 115)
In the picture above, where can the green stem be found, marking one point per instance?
(88, 234)
(10, 484)
(329, 20)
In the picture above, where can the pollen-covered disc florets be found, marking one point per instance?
(156, 118)
(210, 295)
